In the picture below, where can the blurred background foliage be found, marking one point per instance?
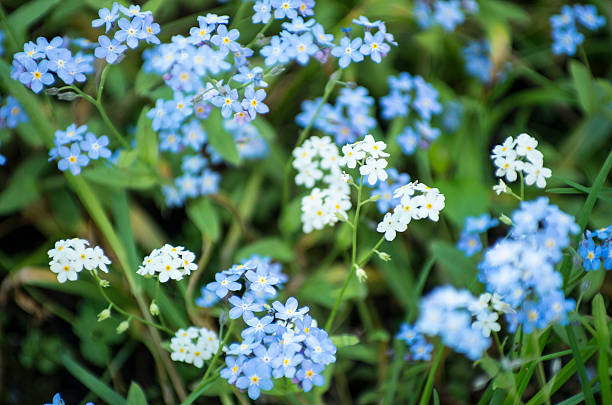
(565, 103)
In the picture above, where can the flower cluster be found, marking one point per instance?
(70, 256)
(75, 147)
(348, 120)
(592, 253)
(135, 26)
(520, 267)
(520, 155)
(194, 345)
(565, 34)
(197, 180)
(445, 13)
(424, 100)
(39, 63)
(416, 201)
(469, 241)
(168, 262)
(462, 321)
(226, 281)
(284, 342)
(318, 161)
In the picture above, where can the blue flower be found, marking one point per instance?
(109, 50)
(150, 30)
(71, 158)
(30, 52)
(200, 34)
(448, 14)
(309, 374)
(262, 10)
(285, 9)
(587, 16)
(275, 52)
(256, 377)
(209, 182)
(194, 135)
(170, 141)
(348, 51)
(590, 253)
(71, 134)
(225, 39)
(301, 47)
(224, 284)
(133, 11)
(421, 350)
(288, 311)
(262, 280)
(479, 224)
(208, 297)
(408, 333)
(320, 36)
(213, 19)
(469, 243)
(36, 75)
(408, 141)
(193, 163)
(12, 113)
(233, 369)
(57, 400)
(258, 327)
(606, 255)
(565, 41)
(374, 46)
(228, 101)
(107, 17)
(320, 348)
(253, 101)
(563, 20)
(394, 104)
(96, 147)
(44, 46)
(130, 32)
(244, 307)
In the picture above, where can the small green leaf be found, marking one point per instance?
(603, 340)
(22, 188)
(344, 340)
(583, 83)
(503, 380)
(146, 140)
(204, 215)
(136, 396)
(221, 140)
(489, 365)
(135, 177)
(274, 247)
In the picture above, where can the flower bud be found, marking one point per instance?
(361, 275)
(104, 283)
(104, 314)
(505, 219)
(123, 326)
(384, 256)
(223, 318)
(154, 309)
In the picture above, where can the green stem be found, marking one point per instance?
(353, 260)
(123, 311)
(430, 378)
(540, 370)
(261, 32)
(522, 186)
(363, 261)
(205, 383)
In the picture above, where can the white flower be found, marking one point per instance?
(179, 348)
(374, 169)
(169, 269)
(486, 323)
(503, 149)
(526, 146)
(499, 305)
(374, 148)
(508, 166)
(60, 249)
(501, 187)
(308, 175)
(187, 259)
(481, 305)
(430, 205)
(65, 269)
(536, 173)
(404, 193)
(407, 212)
(390, 225)
(351, 155)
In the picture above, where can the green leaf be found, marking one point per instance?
(146, 140)
(152, 5)
(22, 188)
(583, 83)
(344, 340)
(274, 247)
(26, 15)
(282, 387)
(146, 82)
(204, 215)
(134, 177)
(459, 268)
(603, 340)
(489, 365)
(221, 140)
(504, 380)
(92, 382)
(136, 396)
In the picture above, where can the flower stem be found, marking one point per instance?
(261, 32)
(354, 265)
(430, 378)
(124, 312)
(522, 186)
(204, 383)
